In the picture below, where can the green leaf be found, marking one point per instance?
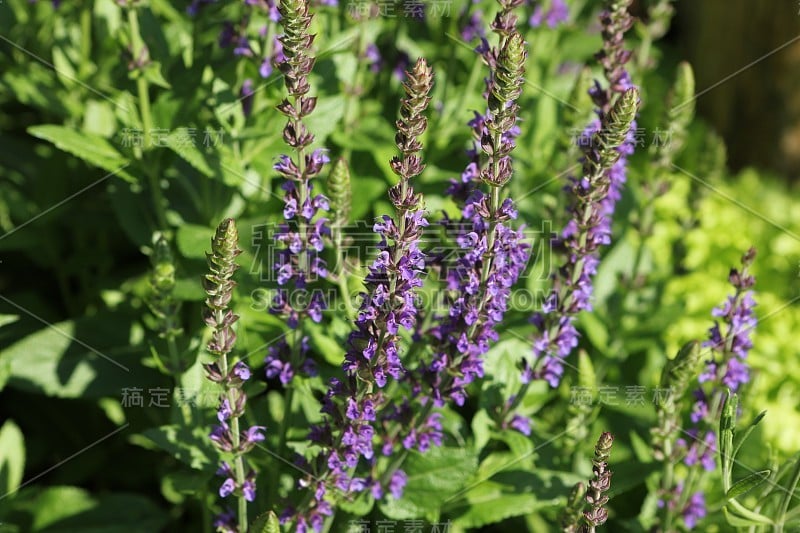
(586, 375)
(265, 523)
(181, 485)
(93, 149)
(491, 503)
(596, 331)
(89, 357)
(193, 241)
(179, 143)
(331, 349)
(74, 510)
(727, 425)
(747, 432)
(190, 445)
(738, 515)
(326, 117)
(66, 52)
(359, 506)
(12, 457)
(747, 484)
(99, 118)
(433, 478)
(7, 319)
(153, 74)
(509, 493)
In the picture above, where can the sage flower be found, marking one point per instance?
(303, 233)
(607, 142)
(596, 495)
(228, 436)
(727, 368)
(387, 305)
(389, 301)
(585, 233)
(557, 13)
(695, 510)
(692, 512)
(573, 518)
(373, 56)
(493, 254)
(615, 21)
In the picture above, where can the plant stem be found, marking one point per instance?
(787, 498)
(238, 463)
(86, 39)
(352, 100)
(138, 50)
(341, 278)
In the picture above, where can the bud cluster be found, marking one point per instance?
(228, 437)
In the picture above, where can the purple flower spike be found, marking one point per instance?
(595, 196)
(231, 376)
(300, 262)
(695, 510)
(729, 343)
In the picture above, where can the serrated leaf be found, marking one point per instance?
(93, 149)
(747, 484)
(433, 477)
(153, 74)
(189, 152)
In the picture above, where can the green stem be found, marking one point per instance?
(341, 282)
(341, 278)
(666, 485)
(86, 39)
(352, 100)
(206, 511)
(142, 87)
(238, 462)
(447, 123)
(786, 499)
(177, 372)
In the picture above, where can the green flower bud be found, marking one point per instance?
(162, 283)
(339, 192)
(680, 112)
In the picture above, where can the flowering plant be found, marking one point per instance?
(348, 266)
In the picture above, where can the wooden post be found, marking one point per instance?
(746, 56)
